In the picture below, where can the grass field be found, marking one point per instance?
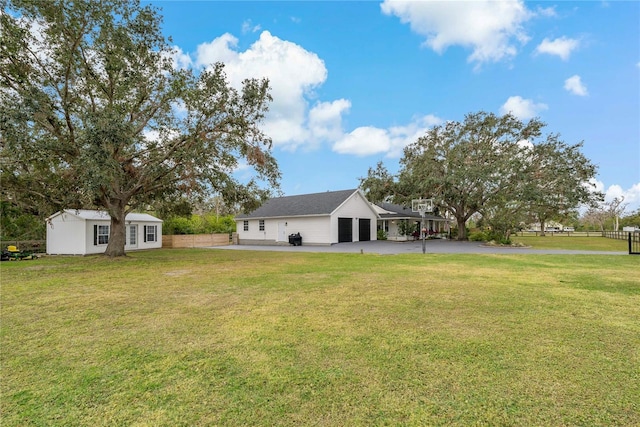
(205, 337)
(572, 242)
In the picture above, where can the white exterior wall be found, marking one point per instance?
(355, 207)
(66, 235)
(315, 230)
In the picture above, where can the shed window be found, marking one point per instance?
(261, 225)
(150, 233)
(245, 225)
(100, 234)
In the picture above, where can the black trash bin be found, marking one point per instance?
(295, 239)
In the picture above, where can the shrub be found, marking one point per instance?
(479, 236)
(199, 224)
(382, 235)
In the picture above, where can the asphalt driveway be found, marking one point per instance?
(386, 247)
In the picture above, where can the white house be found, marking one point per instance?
(84, 232)
(320, 218)
(392, 217)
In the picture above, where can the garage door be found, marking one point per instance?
(364, 227)
(345, 230)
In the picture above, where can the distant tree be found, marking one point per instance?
(616, 209)
(468, 166)
(631, 220)
(95, 114)
(594, 216)
(20, 224)
(606, 214)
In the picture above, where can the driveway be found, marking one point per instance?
(386, 247)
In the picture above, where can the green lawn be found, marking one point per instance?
(205, 337)
(580, 243)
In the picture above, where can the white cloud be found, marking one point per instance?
(368, 140)
(631, 195)
(488, 27)
(248, 27)
(561, 47)
(549, 12)
(522, 108)
(218, 50)
(293, 74)
(364, 141)
(180, 59)
(575, 86)
(325, 119)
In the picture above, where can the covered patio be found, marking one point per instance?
(400, 223)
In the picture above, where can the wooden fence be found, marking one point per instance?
(195, 240)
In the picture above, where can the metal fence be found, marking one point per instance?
(634, 243)
(620, 235)
(633, 237)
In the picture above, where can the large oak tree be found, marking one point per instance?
(495, 166)
(468, 166)
(95, 113)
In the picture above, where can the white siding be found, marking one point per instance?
(314, 230)
(69, 234)
(355, 207)
(66, 235)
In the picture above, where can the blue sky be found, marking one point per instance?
(355, 82)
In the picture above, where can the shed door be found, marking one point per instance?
(345, 230)
(364, 228)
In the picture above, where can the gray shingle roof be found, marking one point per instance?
(304, 204)
(399, 211)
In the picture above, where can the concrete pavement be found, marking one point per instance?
(387, 247)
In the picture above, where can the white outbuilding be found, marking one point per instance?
(319, 219)
(84, 232)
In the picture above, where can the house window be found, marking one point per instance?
(101, 235)
(150, 233)
(245, 225)
(261, 225)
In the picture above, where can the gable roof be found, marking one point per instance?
(93, 215)
(301, 205)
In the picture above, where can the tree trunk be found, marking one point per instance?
(462, 228)
(117, 236)
(542, 226)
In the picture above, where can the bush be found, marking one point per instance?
(479, 236)
(197, 224)
(382, 235)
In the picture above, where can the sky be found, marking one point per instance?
(354, 82)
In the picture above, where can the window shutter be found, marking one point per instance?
(95, 235)
(145, 233)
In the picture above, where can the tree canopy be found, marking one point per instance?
(95, 113)
(491, 165)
